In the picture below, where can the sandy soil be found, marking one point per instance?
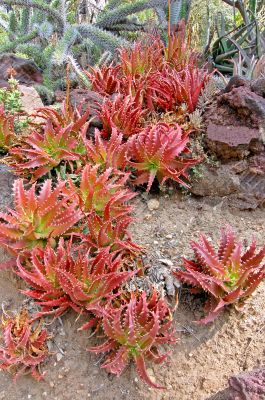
(205, 356)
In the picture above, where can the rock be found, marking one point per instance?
(228, 142)
(236, 121)
(30, 99)
(235, 81)
(85, 98)
(241, 183)
(153, 204)
(6, 184)
(258, 86)
(27, 72)
(166, 261)
(216, 181)
(249, 385)
(59, 356)
(246, 103)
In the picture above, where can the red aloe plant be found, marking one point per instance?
(135, 329)
(7, 130)
(107, 153)
(47, 150)
(174, 88)
(24, 347)
(156, 152)
(36, 218)
(111, 234)
(40, 272)
(122, 113)
(105, 80)
(59, 280)
(178, 53)
(68, 117)
(228, 275)
(142, 59)
(103, 192)
(93, 281)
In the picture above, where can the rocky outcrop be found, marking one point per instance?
(240, 183)
(236, 120)
(216, 181)
(237, 142)
(25, 71)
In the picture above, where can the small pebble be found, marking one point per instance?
(166, 261)
(59, 356)
(153, 204)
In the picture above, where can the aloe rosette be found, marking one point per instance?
(157, 152)
(23, 346)
(227, 276)
(37, 217)
(135, 329)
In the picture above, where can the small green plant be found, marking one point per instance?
(11, 97)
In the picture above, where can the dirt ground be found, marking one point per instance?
(204, 358)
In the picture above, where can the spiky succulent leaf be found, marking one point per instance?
(105, 80)
(59, 280)
(103, 192)
(227, 275)
(110, 153)
(110, 234)
(42, 152)
(37, 217)
(171, 88)
(122, 113)
(157, 152)
(23, 346)
(134, 330)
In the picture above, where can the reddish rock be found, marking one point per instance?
(246, 103)
(27, 72)
(88, 98)
(227, 141)
(248, 386)
(236, 121)
(258, 86)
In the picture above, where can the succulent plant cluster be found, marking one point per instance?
(227, 276)
(68, 231)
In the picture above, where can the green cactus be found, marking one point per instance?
(40, 19)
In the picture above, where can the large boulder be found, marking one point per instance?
(240, 183)
(30, 99)
(26, 71)
(236, 120)
(228, 141)
(216, 181)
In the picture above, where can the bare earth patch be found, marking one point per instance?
(204, 358)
